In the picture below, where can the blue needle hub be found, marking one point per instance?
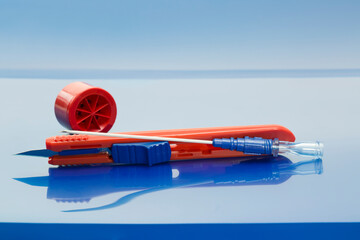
(246, 145)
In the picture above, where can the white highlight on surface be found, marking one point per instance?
(175, 173)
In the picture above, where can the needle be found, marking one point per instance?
(154, 138)
(246, 145)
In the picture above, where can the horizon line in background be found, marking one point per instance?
(174, 74)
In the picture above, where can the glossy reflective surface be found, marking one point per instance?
(258, 190)
(81, 184)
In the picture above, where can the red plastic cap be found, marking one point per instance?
(80, 106)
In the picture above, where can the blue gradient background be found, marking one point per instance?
(294, 63)
(202, 34)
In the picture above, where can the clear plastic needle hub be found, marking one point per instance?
(314, 149)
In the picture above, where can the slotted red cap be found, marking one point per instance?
(80, 106)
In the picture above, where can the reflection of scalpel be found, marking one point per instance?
(85, 183)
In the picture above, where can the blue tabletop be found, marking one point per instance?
(253, 190)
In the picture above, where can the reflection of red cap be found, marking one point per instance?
(80, 106)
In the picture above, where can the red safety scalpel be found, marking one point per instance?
(88, 149)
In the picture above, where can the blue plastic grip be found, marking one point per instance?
(246, 145)
(148, 153)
